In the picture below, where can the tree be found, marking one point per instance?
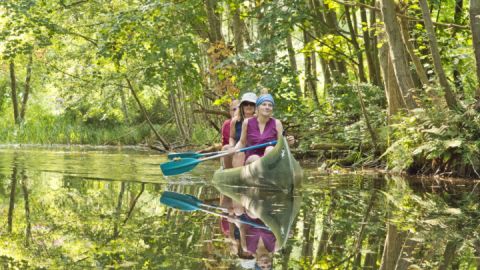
(475, 27)
(449, 96)
(397, 52)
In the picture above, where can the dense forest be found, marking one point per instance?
(369, 83)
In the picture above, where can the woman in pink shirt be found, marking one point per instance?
(227, 161)
(259, 129)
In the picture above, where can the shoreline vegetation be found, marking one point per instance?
(384, 84)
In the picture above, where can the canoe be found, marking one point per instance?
(277, 210)
(277, 170)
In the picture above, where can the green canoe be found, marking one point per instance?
(277, 170)
(277, 210)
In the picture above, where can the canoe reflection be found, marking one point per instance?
(272, 209)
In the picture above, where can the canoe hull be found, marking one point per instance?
(276, 170)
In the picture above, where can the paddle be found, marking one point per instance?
(192, 155)
(187, 164)
(190, 203)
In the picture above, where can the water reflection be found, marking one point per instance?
(256, 245)
(56, 213)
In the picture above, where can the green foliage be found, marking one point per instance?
(436, 141)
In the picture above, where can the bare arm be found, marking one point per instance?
(231, 140)
(243, 137)
(279, 127)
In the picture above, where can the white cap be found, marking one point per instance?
(249, 97)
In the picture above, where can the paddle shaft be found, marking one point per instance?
(239, 220)
(214, 207)
(184, 165)
(240, 150)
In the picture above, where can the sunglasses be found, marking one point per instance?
(248, 104)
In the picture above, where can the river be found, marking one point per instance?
(97, 208)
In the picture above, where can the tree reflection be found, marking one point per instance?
(53, 220)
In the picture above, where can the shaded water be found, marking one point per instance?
(83, 208)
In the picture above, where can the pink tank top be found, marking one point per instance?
(254, 137)
(226, 132)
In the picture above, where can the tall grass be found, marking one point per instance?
(59, 130)
(50, 129)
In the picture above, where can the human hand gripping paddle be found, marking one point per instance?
(187, 164)
(190, 203)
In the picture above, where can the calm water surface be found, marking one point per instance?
(84, 208)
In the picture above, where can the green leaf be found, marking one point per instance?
(453, 143)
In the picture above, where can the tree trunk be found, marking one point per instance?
(475, 26)
(28, 229)
(437, 63)
(310, 78)
(237, 26)
(11, 206)
(476, 244)
(320, 27)
(308, 230)
(123, 99)
(392, 248)
(449, 254)
(214, 22)
(165, 144)
(370, 129)
(356, 46)
(392, 91)
(178, 115)
(13, 84)
(293, 63)
(422, 74)
(457, 18)
(118, 209)
(397, 52)
(134, 203)
(365, 222)
(374, 47)
(27, 87)
(370, 262)
(373, 71)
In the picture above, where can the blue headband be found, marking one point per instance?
(263, 98)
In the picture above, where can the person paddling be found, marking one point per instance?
(246, 111)
(227, 160)
(259, 129)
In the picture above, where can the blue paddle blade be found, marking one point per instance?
(184, 155)
(179, 166)
(179, 201)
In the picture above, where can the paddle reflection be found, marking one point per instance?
(259, 223)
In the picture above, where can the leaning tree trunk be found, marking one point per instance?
(397, 52)
(13, 84)
(395, 99)
(437, 63)
(475, 26)
(165, 144)
(422, 74)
